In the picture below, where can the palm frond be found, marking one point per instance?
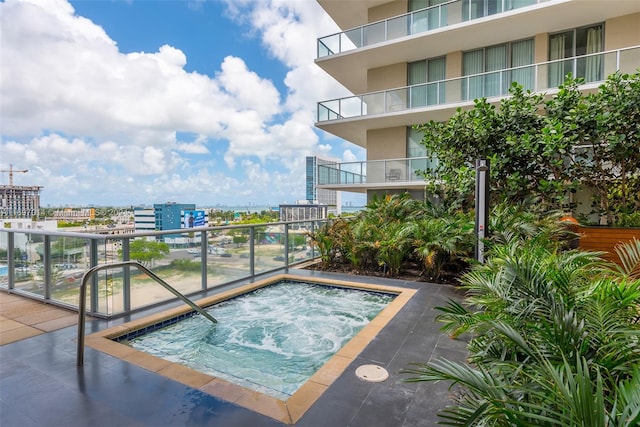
(629, 254)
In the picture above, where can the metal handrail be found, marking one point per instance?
(83, 299)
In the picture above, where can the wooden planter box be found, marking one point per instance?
(605, 239)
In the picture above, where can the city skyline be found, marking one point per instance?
(133, 102)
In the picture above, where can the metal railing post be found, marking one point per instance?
(126, 275)
(252, 254)
(11, 265)
(286, 248)
(93, 262)
(48, 277)
(203, 258)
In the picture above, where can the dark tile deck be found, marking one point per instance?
(41, 386)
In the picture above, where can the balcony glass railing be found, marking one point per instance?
(420, 21)
(540, 77)
(371, 172)
(49, 265)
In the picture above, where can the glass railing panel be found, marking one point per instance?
(419, 166)
(351, 39)
(28, 270)
(398, 27)
(351, 107)
(352, 172)
(329, 110)
(396, 100)
(175, 258)
(525, 76)
(228, 256)
(329, 45)
(109, 295)
(269, 248)
(376, 172)
(298, 244)
(374, 33)
(590, 68)
(374, 103)
(557, 71)
(327, 175)
(628, 61)
(395, 170)
(69, 257)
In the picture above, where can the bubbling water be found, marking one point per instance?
(272, 339)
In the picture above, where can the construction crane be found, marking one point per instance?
(11, 171)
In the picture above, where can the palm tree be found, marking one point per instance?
(441, 241)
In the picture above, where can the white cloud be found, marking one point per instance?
(96, 125)
(348, 156)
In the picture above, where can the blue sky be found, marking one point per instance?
(137, 102)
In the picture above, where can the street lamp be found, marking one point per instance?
(482, 206)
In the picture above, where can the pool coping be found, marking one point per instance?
(288, 411)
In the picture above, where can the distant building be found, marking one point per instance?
(19, 201)
(303, 211)
(144, 219)
(170, 216)
(321, 195)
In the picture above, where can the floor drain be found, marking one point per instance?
(372, 373)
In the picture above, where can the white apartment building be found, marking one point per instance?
(323, 196)
(144, 219)
(407, 62)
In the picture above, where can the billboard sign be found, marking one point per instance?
(194, 218)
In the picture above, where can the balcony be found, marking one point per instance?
(375, 174)
(350, 117)
(418, 22)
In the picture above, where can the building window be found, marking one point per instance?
(425, 19)
(473, 9)
(491, 70)
(426, 81)
(576, 52)
(417, 155)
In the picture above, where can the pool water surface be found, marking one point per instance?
(271, 340)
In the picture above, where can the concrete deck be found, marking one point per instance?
(41, 386)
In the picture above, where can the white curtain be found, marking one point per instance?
(556, 51)
(436, 72)
(472, 63)
(417, 75)
(496, 60)
(593, 69)
(522, 55)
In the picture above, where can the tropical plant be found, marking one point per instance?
(392, 247)
(555, 340)
(441, 241)
(324, 240)
(629, 254)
